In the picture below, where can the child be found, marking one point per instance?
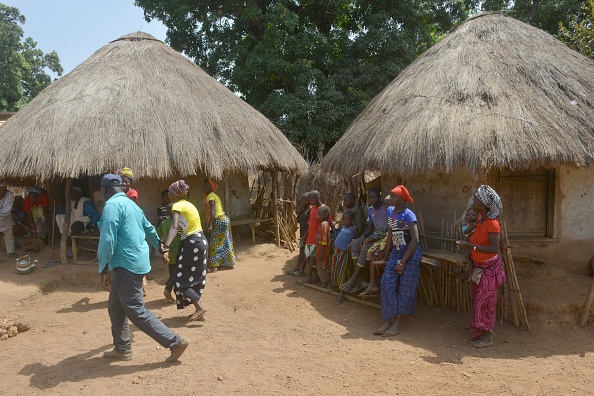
(162, 231)
(471, 219)
(302, 218)
(341, 268)
(162, 212)
(323, 246)
(310, 238)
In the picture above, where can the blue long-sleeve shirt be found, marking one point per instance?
(123, 233)
(88, 210)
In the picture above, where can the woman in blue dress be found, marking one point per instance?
(403, 267)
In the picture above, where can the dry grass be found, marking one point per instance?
(493, 93)
(136, 102)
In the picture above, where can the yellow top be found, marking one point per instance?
(191, 215)
(218, 205)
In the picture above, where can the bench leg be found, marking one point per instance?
(253, 227)
(74, 250)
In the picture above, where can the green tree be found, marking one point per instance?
(579, 32)
(546, 14)
(310, 66)
(22, 65)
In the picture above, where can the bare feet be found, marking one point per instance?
(385, 326)
(371, 290)
(168, 295)
(340, 298)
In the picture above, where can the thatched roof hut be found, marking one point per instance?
(138, 102)
(494, 93)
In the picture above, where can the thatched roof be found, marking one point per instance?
(138, 103)
(493, 93)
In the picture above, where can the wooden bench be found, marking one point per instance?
(75, 247)
(252, 222)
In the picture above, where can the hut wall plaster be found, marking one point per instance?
(443, 197)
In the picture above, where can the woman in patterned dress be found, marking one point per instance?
(403, 268)
(483, 249)
(221, 244)
(190, 276)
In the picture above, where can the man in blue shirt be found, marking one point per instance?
(123, 251)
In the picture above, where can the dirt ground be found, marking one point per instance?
(266, 335)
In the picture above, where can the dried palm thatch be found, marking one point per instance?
(137, 102)
(493, 93)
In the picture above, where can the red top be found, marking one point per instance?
(481, 238)
(133, 195)
(313, 223)
(42, 201)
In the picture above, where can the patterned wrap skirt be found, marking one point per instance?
(484, 297)
(341, 267)
(221, 245)
(190, 272)
(399, 291)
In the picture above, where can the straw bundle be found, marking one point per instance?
(494, 93)
(138, 102)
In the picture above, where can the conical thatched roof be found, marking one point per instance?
(493, 93)
(138, 103)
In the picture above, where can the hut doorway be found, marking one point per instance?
(528, 198)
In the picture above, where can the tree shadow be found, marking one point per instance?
(442, 332)
(88, 366)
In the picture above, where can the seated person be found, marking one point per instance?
(36, 208)
(83, 217)
(19, 218)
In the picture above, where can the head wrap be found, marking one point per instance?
(34, 189)
(77, 189)
(179, 189)
(110, 180)
(401, 191)
(126, 172)
(491, 200)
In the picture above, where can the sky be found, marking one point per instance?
(75, 29)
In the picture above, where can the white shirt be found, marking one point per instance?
(6, 211)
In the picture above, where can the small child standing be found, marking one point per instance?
(341, 264)
(323, 246)
(162, 231)
(471, 219)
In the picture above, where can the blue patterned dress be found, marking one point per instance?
(399, 291)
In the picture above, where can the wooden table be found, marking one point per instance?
(252, 222)
(75, 248)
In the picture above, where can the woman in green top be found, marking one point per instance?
(221, 245)
(190, 276)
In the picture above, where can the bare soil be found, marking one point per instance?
(266, 335)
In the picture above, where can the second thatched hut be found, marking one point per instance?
(499, 102)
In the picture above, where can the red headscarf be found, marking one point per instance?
(401, 191)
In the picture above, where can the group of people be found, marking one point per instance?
(383, 246)
(124, 258)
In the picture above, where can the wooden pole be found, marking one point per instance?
(587, 305)
(66, 228)
(346, 296)
(53, 230)
(275, 208)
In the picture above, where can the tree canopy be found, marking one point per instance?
(22, 65)
(578, 33)
(312, 66)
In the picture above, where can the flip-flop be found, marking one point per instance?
(345, 288)
(482, 344)
(194, 317)
(51, 263)
(392, 333)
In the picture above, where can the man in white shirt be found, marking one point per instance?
(6, 201)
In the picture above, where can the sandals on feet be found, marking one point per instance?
(482, 343)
